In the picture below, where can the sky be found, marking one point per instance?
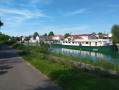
(24, 17)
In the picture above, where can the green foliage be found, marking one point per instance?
(115, 32)
(44, 47)
(100, 33)
(51, 33)
(115, 39)
(66, 35)
(45, 34)
(4, 37)
(36, 34)
(25, 39)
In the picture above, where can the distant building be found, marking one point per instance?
(82, 36)
(101, 36)
(57, 37)
(43, 38)
(33, 39)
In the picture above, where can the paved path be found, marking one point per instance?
(17, 74)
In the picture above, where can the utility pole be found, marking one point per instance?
(80, 45)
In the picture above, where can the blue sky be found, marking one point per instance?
(24, 17)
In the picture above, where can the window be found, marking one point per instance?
(86, 42)
(72, 42)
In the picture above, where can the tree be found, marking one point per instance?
(100, 33)
(1, 24)
(93, 33)
(115, 33)
(66, 35)
(50, 33)
(45, 34)
(36, 34)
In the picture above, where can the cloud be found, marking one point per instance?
(14, 15)
(76, 12)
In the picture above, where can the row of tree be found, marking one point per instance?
(50, 34)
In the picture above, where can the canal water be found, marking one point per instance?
(109, 56)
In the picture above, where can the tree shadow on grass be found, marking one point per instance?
(76, 80)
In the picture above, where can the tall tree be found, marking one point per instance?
(115, 33)
(66, 35)
(51, 33)
(36, 34)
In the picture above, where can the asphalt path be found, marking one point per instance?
(17, 74)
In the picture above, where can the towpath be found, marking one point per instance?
(17, 74)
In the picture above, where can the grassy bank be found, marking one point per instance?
(67, 76)
(102, 63)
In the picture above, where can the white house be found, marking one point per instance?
(110, 35)
(71, 37)
(32, 39)
(79, 37)
(43, 38)
(57, 37)
(87, 36)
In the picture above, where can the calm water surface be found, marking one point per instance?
(110, 56)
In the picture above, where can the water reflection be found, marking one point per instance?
(111, 57)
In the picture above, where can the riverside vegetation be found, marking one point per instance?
(66, 74)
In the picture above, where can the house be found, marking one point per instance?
(81, 36)
(110, 35)
(87, 36)
(24, 38)
(32, 39)
(43, 38)
(57, 37)
(101, 36)
(71, 37)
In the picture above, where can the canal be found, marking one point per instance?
(109, 56)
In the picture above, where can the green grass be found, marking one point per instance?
(66, 76)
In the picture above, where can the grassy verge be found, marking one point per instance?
(68, 77)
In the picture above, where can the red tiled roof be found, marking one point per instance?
(44, 36)
(85, 34)
(81, 35)
(57, 36)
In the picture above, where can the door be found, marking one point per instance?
(89, 43)
(95, 43)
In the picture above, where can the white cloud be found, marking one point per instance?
(76, 12)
